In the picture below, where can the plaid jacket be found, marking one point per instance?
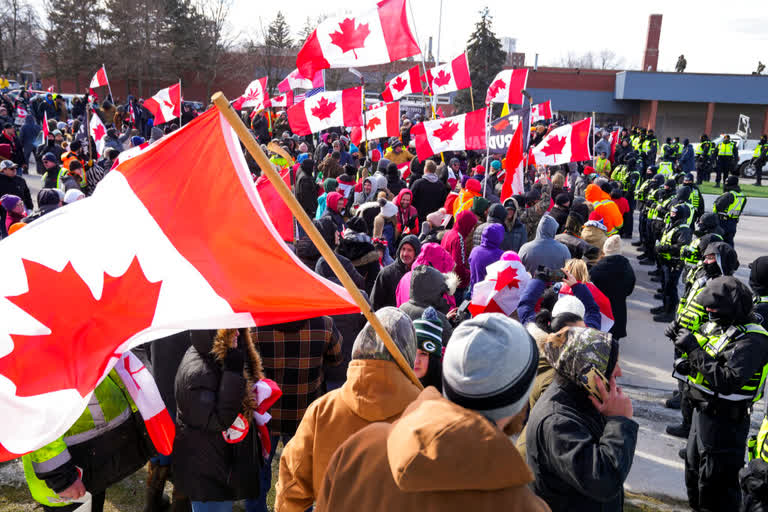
(294, 360)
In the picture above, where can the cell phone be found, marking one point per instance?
(589, 381)
(551, 275)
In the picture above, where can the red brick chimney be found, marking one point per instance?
(651, 57)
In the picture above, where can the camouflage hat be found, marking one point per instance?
(575, 351)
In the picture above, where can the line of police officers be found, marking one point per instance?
(718, 327)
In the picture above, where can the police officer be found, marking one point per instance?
(650, 148)
(759, 158)
(677, 235)
(724, 372)
(654, 198)
(106, 443)
(703, 159)
(631, 180)
(754, 477)
(706, 231)
(642, 192)
(719, 260)
(729, 206)
(695, 199)
(668, 150)
(727, 158)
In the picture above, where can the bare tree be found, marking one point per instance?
(214, 40)
(20, 36)
(604, 59)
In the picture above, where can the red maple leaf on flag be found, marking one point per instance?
(501, 124)
(372, 123)
(350, 38)
(82, 341)
(446, 131)
(168, 104)
(99, 132)
(442, 78)
(324, 109)
(507, 277)
(399, 84)
(554, 145)
(495, 87)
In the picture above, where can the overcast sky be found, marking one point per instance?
(716, 37)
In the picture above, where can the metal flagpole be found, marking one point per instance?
(109, 87)
(423, 59)
(487, 147)
(471, 94)
(284, 191)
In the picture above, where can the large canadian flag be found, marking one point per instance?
(137, 266)
(284, 100)
(166, 104)
(506, 87)
(376, 36)
(98, 132)
(327, 109)
(295, 80)
(449, 77)
(541, 111)
(407, 82)
(383, 121)
(456, 133)
(99, 79)
(568, 143)
(255, 96)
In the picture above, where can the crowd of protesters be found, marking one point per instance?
(351, 430)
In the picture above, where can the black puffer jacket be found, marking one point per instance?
(428, 288)
(385, 287)
(209, 399)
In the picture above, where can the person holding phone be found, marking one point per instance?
(580, 436)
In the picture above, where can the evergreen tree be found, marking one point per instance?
(486, 58)
(279, 33)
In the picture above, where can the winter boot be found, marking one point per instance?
(639, 243)
(656, 272)
(674, 402)
(658, 296)
(680, 430)
(659, 309)
(155, 499)
(667, 315)
(682, 453)
(646, 261)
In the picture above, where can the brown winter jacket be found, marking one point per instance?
(375, 390)
(437, 457)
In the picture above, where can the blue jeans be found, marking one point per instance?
(260, 504)
(223, 506)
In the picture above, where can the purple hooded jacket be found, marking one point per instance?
(489, 252)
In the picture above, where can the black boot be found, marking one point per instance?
(674, 402)
(155, 499)
(656, 272)
(667, 315)
(658, 296)
(681, 453)
(657, 310)
(656, 279)
(639, 243)
(646, 261)
(680, 430)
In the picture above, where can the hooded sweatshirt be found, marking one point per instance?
(606, 208)
(383, 293)
(488, 252)
(457, 243)
(431, 288)
(407, 218)
(438, 456)
(544, 250)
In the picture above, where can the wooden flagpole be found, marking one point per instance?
(261, 159)
(181, 106)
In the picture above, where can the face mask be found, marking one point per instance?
(719, 318)
(712, 270)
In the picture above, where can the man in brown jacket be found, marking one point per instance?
(448, 453)
(375, 390)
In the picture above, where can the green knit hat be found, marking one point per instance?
(429, 332)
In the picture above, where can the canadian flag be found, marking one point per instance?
(383, 121)
(284, 100)
(377, 36)
(506, 87)
(279, 213)
(166, 104)
(513, 164)
(541, 111)
(255, 96)
(140, 267)
(131, 114)
(502, 288)
(295, 80)
(327, 109)
(407, 82)
(606, 312)
(456, 133)
(449, 77)
(99, 79)
(614, 141)
(99, 133)
(45, 127)
(568, 143)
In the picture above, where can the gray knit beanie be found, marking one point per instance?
(489, 366)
